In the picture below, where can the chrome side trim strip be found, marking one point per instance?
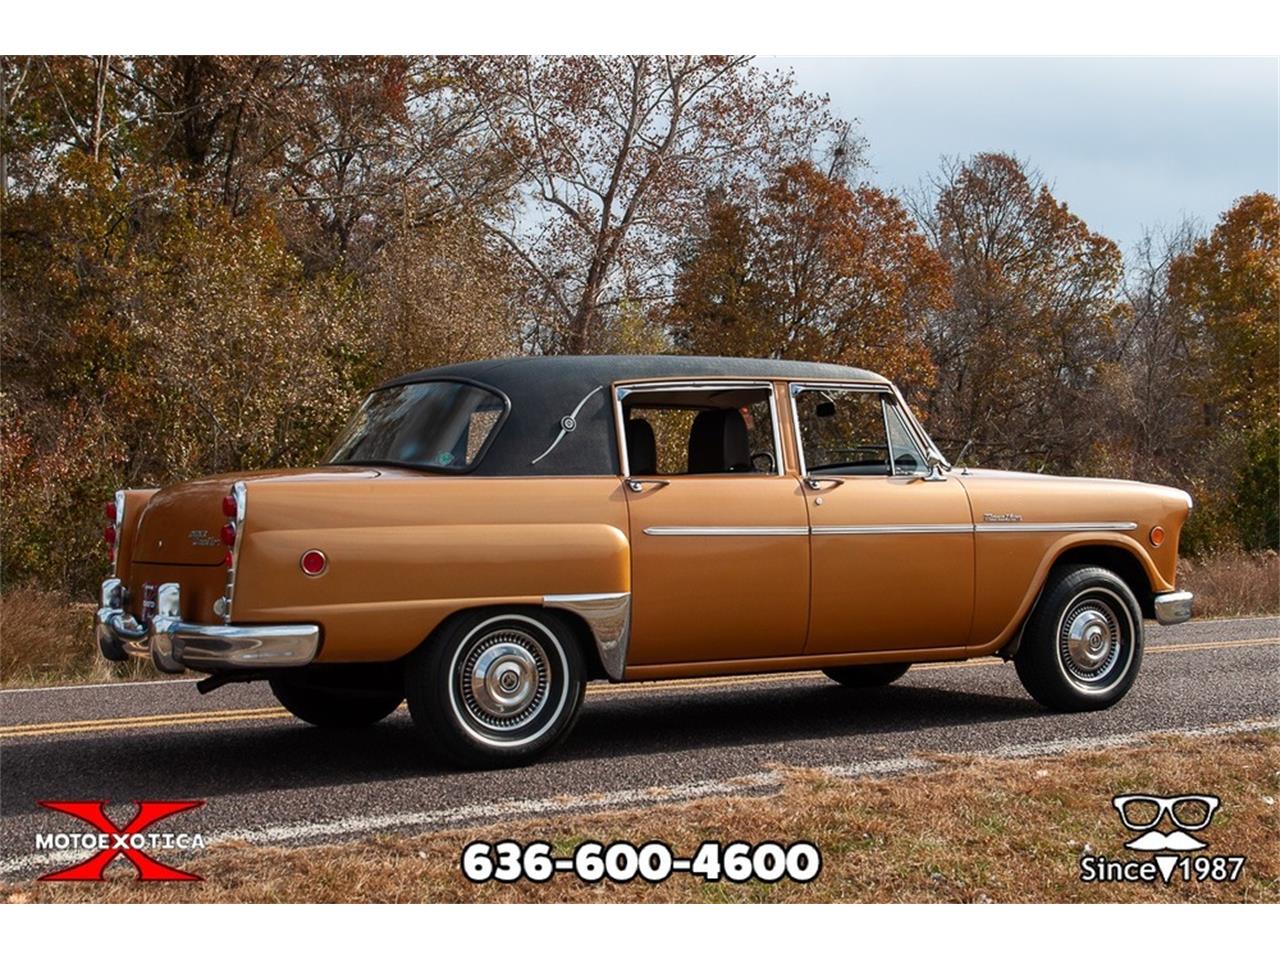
(727, 531)
(887, 528)
(1019, 527)
(896, 528)
(608, 615)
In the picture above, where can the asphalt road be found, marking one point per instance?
(269, 778)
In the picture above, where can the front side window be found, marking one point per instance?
(438, 425)
(699, 430)
(855, 433)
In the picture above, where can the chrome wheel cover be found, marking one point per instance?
(1095, 634)
(503, 680)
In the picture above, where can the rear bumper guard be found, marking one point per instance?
(174, 644)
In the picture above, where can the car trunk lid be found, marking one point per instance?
(182, 524)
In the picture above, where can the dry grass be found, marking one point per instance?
(975, 830)
(1233, 583)
(46, 639)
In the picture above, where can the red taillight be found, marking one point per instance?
(229, 506)
(229, 559)
(314, 563)
(111, 511)
(109, 535)
(229, 535)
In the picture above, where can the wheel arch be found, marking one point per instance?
(1122, 562)
(1120, 555)
(574, 622)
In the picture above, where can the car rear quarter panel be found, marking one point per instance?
(405, 551)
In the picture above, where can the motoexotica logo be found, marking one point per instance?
(134, 841)
(1145, 814)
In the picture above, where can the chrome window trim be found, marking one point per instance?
(623, 389)
(726, 531)
(796, 387)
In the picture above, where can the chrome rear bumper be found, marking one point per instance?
(174, 644)
(1173, 607)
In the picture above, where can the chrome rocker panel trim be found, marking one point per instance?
(1173, 607)
(608, 615)
(174, 644)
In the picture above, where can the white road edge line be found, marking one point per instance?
(647, 796)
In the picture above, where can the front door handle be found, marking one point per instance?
(815, 483)
(636, 485)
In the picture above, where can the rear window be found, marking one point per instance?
(438, 425)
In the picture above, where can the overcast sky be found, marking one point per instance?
(1127, 143)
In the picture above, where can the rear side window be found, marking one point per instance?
(700, 429)
(441, 425)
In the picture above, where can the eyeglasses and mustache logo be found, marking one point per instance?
(1187, 814)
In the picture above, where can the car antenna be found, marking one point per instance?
(964, 469)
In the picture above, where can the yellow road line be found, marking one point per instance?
(693, 683)
(144, 720)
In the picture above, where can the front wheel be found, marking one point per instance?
(496, 688)
(870, 675)
(1082, 646)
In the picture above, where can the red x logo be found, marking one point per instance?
(120, 838)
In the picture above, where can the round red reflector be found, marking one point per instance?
(229, 534)
(111, 510)
(109, 535)
(228, 506)
(1157, 536)
(314, 563)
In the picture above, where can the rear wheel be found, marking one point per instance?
(334, 706)
(869, 675)
(496, 687)
(1082, 646)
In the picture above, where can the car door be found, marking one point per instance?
(718, 529)
(892, 548)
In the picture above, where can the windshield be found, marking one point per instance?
(439, 425)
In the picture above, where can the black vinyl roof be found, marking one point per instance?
(543, 391)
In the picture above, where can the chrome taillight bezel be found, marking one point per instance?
(224, 606)
(118, 523)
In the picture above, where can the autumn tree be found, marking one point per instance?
(1035, 297)
(615, 155)
(1154, 411)
(1229, 287)
(814, 270)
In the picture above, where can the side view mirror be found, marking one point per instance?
(936, 463)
